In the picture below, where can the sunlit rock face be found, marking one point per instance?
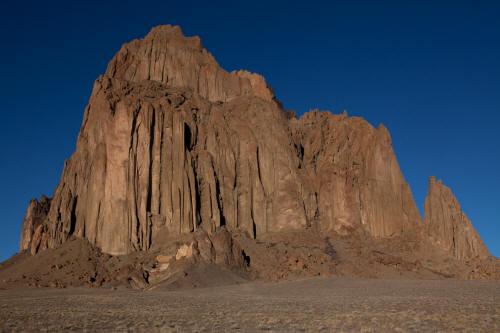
(354, 175)
(33, 219)
(172, 144)
(168, 57)
(448, 227)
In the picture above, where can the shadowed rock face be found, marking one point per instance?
(448, 227)
(172, 144)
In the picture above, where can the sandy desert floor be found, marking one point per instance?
(309, 305)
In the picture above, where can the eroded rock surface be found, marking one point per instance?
(173, 145)
(165, 55)
(34, 217)
(448, 227)
(354, 175)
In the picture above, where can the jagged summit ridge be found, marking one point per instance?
(165, 55)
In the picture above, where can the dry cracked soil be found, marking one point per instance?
(307, 305)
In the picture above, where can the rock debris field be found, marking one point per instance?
(308, 305)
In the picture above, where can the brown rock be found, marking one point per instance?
(185, 251)
(35, 215)
(151, 160)
(354, 176)
(39, 240)
(172, 147)
(162, 259)
(166, 56)
(448, 227)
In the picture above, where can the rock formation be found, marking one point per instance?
(171, 144)
(166, 56)
(354, 175)
(448, 227)
(33, 224)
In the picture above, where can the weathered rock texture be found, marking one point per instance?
(32, 224)
(448, 227)
(171, 144)
(166, 56)
(354, 175)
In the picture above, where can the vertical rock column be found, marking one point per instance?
(448, 227)
(183, 180)
(35, 214)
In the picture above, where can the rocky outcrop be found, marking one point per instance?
(448, 227)
(34, 217)
(171, 144)
(219, 248)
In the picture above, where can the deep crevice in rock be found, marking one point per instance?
(187, 137)
(73, 216)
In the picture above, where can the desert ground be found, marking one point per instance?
(305, 305)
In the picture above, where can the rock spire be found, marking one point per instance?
(448, 227)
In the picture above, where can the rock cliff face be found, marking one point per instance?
(354, 175)
(448, 227)
(172, 144)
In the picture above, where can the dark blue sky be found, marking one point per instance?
(429, 71)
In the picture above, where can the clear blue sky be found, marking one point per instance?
(429, 71)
